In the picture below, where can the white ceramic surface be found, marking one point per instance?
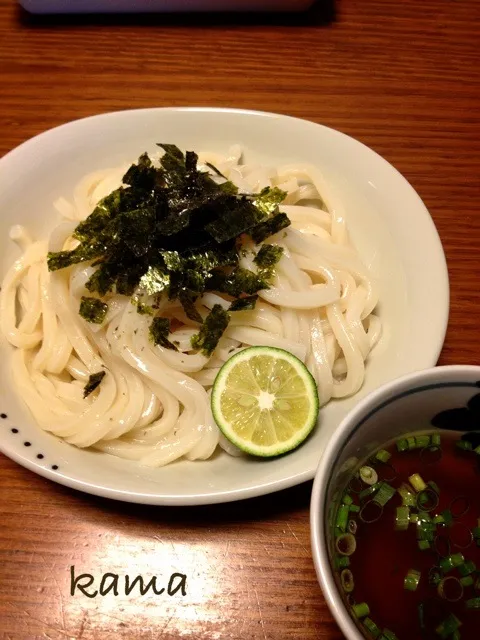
(405, 405)
(388, 223)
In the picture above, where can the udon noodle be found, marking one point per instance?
(154, 406)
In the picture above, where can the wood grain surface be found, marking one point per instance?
(402, 76)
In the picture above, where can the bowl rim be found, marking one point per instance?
(318, 543)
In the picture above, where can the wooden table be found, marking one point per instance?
(399, 75)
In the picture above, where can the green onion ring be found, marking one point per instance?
(462, 526)
(352, 527)
(355, 488)
(441, 539)
(432, 504)
(460, 512)
(453, 582)
(368, 475)
(379, 508)
(350, 599)
(431, 455)
(346, 544)
(361, 610)
(383, 466)
(346, 578)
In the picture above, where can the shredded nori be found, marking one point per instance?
(159, 331)
(174, 230)
(188, 298)
(145, 309)
(239, 281)
(267, 258)
(215, 170)
(93, 382)
(243, 304)
(268, 200)
(273, 225)
(93, 310)
(211, 330)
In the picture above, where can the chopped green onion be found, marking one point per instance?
(427, 500)
(417, 482)
(436, 439)
(342, 517)
(422, 499)
(346, 544)
(402, 519)
(447, 517)
(439, 519)
(425, 517)
(341, 562)
(422, 441)
(477, 450)
(384, 494)
(388, 635)
(467, 581)
(425, 530)
(346, 578)
(402, 445)
(452, 561)
(372, 628)
(408, 498)
(450, 589)
(423, 545)
(467, 568)
(413, 518)
(465, 445)
(476, 532)
(425, 534)
(361, 610)
(411, 442)
(352, 527)
(412, 580)
(473, 603)
(383, 455)
(370, 512)
(354, 508)
(448, 626)
(433, 485)
(368, 475)
(367, 492)
(458, 512)
(347, 499)
(442, 545)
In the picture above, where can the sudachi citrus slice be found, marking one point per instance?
(265, 401)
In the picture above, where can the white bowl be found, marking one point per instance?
(387, 221)
(404, 406)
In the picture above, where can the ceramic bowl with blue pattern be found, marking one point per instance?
(446, 399)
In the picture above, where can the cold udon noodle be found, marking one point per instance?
(154, 406)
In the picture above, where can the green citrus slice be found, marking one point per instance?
(265, 401)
